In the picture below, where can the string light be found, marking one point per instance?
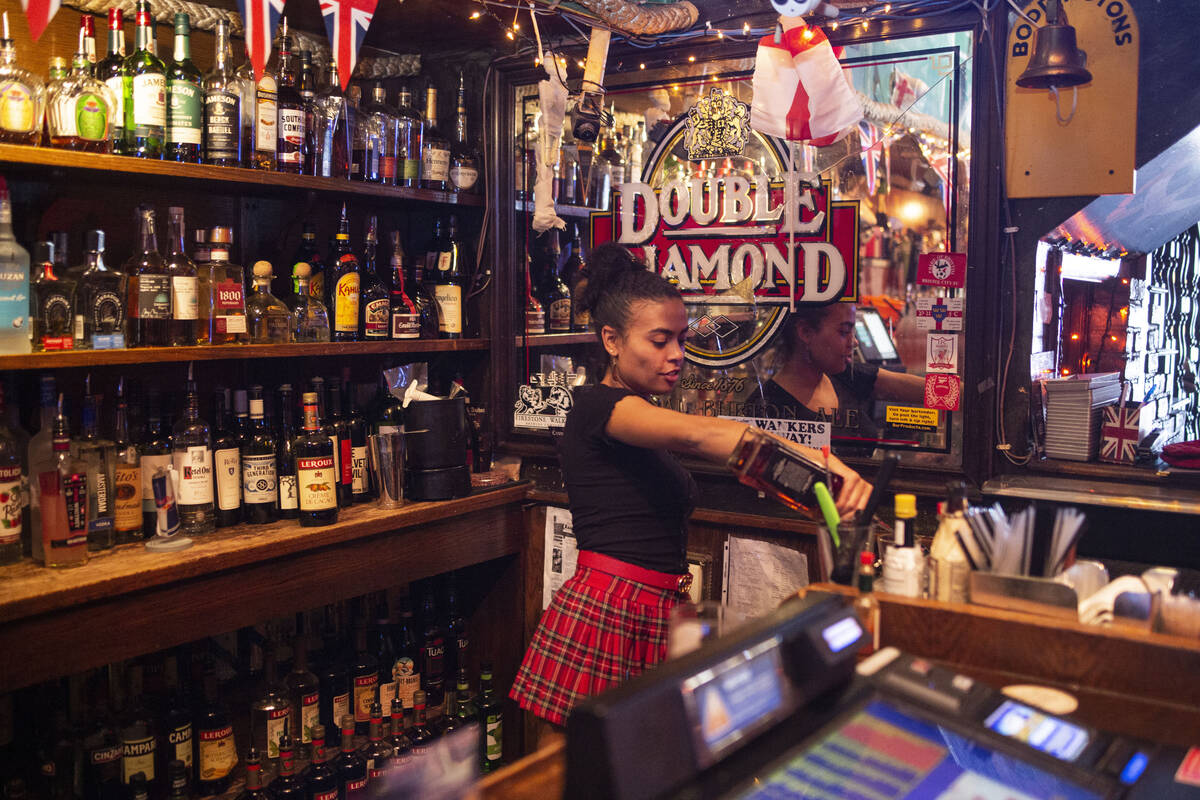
(476, 15)
(745, 27)
(641, 66)
(692, 59)
(833, 26)
(808, 34)
(1074, 337)
(887, 8)
(720, 34)
(509, 34)
(580, 63)
(865, 24)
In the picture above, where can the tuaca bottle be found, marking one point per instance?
(110, 72)
(185, 99)
(374, 316)
(185, 284)
(145, 102)
(22, 97)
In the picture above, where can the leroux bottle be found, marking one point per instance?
(310, 320)
(322, 778)
(185, 283)
(222, 295)
(223, 144)
(192, 464)
(464, 159)
(64, 503)
(373, 295)
(303, 693)
(15, 327)
(378, 754)
(102, 295)
(145, 101)
(398, 738)
(315, 473)
(269, 318)
(80, 110)
(216, 750)
(421, 735)
(260, 490)
(285, 461)
(344, 284)
(350, 765)
(127, 475)
(269, 710)
(287, 786)
(110, 72)
(435, 152)
(227, 465)
(254, 778)
(97, 453)
(12, 477)
(291, 144)
(185, 99)
(22, 97)
(54, 309)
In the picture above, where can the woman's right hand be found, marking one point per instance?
(855, 491)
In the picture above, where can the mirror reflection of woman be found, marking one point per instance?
(819, 380)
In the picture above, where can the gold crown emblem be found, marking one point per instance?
(717, 126)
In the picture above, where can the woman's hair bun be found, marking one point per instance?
(606, 264)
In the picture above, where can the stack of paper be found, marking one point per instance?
(1073, 413)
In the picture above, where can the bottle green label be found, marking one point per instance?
(184, 112)
(91, 118)
(412, 169)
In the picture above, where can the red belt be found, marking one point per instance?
(668, 581)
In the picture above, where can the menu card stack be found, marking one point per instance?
(1073, 413)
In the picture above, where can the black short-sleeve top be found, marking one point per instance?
(627, 502)
(855, 389)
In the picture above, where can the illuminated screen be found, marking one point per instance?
(882, 752)
(879, 334)
(1051, 735)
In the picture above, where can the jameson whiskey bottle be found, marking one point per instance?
(316, 475)
(145, 91)
(222, 107)
(110, 71)
(185, 99)
(344, 284)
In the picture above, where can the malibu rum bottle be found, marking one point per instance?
(145, 101)
(316, 475)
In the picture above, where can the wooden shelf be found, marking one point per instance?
(158, 355)
(1111, 485)
(550, 339)
(564, 211)
(128, 600)
(14, 155)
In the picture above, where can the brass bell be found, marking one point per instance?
(1057, 61)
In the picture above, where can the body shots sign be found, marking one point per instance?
(742, 249)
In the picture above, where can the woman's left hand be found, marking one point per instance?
(855, 491)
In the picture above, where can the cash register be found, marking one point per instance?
(782, 708)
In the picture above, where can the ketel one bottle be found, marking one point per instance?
(315, 473)
(192, 462)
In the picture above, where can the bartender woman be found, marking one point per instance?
(629, 496)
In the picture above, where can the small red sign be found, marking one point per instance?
(1189, 768)
(942, 391)
(942, 269)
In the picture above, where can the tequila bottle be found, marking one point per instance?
(102, 293)
(80, 110)
(192, 464)
(310, 320)
(185, 99)
(145, 86)
(185, 307)
(54, 309)
(97, 454)
(223, 300)
(268, 316)
(22, 97)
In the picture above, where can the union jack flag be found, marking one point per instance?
(39, 13)
(259, 18)
(346, 22)
(872, 144)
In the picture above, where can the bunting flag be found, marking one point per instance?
(940, 162)
(260, 18)
(887, 163)
(346, 22)
(871, 145)
(39, 13)
(808, 158)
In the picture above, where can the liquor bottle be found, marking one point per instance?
(386, 121)
(373, 122)
(177, 779)
(332, 674)
(865, 604)
(154, 453)
(216, 750)
(343, 284)
(100, 745)
(433, 650)
(145, 102)
(101, 299)
(407, 669)
(139, 735)
(14, 283)
(350, 765)
(269, 710)
(405, 316)
(223, 142)
(64, 503)
(467, 711)
(185, 283)
(254, 778)
(97, 454)
(12, 479)
(23, 101)
(291, 138)
(339, 424)
(575, 276)
(308, 253)
(555, 296)
(332, 159)
(448, 283)
(223, 299)
(306, 87)
(303, 693)
(535, 312)
(192, 462)
(383, 649)
(149, 305)
(398, 738)
(421, 734)
(410, 129)
(364, 675)
(127, 476)
(110, 71)
(21, 438)
(41, 460)
(458, 642)
(448, 722)
(321, 780)
(310, 320)
(373, 295)
(260, 492)
(87, 38)
(378, 754)
(464, 159)
(185, 99)
(334, 428)
(316, 475)
(80, 109)
(764, 463)
(227, 464)
(491, 718)
(287, 786)
(56, 73)
(358, 133)
(435, 148)
(266, 114)
(356, 424)
(267, 315)
(54, 303)
(178, 728)
(285, 463)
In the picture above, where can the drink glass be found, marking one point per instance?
(693, 624)
(386, 452)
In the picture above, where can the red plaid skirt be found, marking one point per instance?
(598, 631)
